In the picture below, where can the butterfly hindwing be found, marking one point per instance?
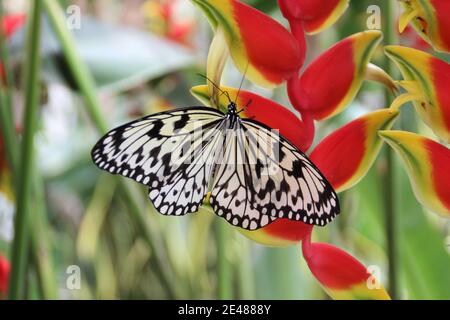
(165, 152)
(231, 193)
(187, 186)
(287, 184)
(274, 180)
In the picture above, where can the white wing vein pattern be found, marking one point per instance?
(231, 193)
(269, 179)
(170, 152)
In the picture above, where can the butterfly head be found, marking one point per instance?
(232, 108)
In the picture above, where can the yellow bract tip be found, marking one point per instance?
(405, 19)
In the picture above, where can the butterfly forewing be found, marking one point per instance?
(284, 182)
(264, 177)
(168, 152)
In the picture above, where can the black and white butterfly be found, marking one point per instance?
(253, 174)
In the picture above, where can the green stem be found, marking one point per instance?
(245, 272)
(41, 245)
(389, 198)
(224, 289)
(147, 231)
(78, 68)
(87, 87)
(32, 65)
(7, 132)
(39, 241)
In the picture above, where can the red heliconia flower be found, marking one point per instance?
(261, 47)
(4, 276)
(323, 90)
(341, 275)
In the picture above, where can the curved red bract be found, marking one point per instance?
(441, 79)
(442, 11)
(339, 154)
(289, 229)
(315, 13)
(440, 169)
(327, 80)
(277, 60)
(278, 117)
(312, 13)
(333, 267)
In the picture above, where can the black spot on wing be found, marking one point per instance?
(298, 190)
(179, 124)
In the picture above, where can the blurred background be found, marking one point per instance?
(145, 55)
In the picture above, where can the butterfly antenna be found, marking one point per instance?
(242, 82)
(222, 92)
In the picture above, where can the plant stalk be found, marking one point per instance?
(224, 287)
(41, 245)
(389, 189)
(20, 243)
(7, 131)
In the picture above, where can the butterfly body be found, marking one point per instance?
(232, 115)
(253, 174)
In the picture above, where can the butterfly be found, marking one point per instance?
(249, 173)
